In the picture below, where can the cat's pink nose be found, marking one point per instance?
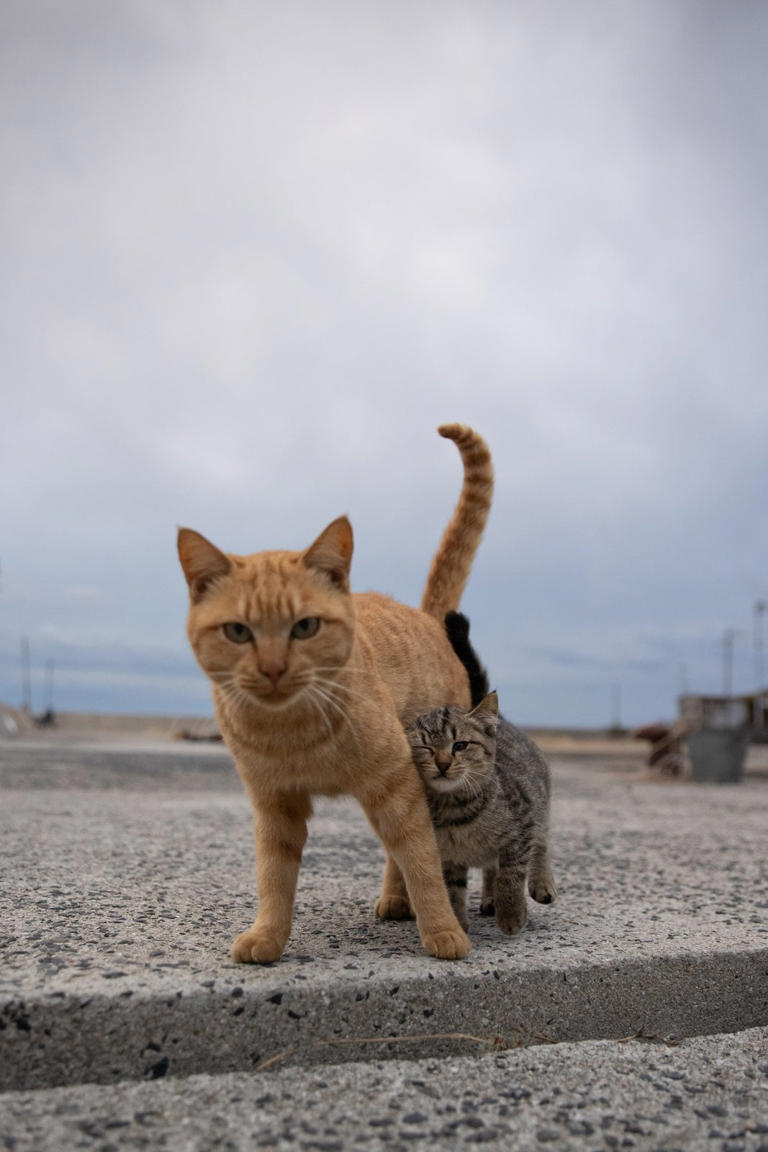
(443, 763)
(273, 669)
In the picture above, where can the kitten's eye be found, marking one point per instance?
(460, 745)
(236, 632)
(303, 629)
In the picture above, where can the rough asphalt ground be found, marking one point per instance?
(125, 873)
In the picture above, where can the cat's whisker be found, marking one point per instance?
(315, 675)
(341, 707)
(323, 684)
(236, 695)
(331, 701)
(311, 696)
(335, 686)
(318, 695)
(475, 781)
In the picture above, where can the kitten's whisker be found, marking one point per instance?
(477, 779)
(471, 781)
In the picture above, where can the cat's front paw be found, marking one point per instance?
(393, 908)
(257, 947)
(543, 889)
(511, 918)
(487, 906)
(447, 945)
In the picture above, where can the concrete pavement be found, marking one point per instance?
(707, 1093)
(125, 875)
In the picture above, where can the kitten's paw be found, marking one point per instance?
(393, 908)
(447, 945)
(543, 889)
(487, 906)
(511, 919)
(460, 911)
(256, 947)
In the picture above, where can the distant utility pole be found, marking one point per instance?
(26, 682)
(50, 666)
(760, 608)
(616, 692)
(728, 639)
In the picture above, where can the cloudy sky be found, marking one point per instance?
(253, 253)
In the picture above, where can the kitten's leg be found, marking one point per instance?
(397, 810)
(281, 831)
(455, 876)
(511, 909)
(487, 900)
(393, 904)
(541, 882)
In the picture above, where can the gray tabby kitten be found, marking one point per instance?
(488, 791)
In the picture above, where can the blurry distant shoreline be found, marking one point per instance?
(15, 724)
(82, 727)
(615, 748)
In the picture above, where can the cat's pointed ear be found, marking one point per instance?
(487, 709)
(202, 562)
(331, 553)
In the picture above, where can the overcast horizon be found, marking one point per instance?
(254, 254)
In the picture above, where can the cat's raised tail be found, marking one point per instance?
(453, 559)
(457, 627)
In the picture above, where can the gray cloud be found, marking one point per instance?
(255, 253)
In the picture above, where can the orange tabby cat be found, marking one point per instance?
(311, 687)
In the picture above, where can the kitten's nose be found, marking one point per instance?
(443, 763)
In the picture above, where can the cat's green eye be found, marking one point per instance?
(236, 632)
(303, 629)
(460, 745)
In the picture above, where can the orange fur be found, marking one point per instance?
(449, 570)
(311, 688)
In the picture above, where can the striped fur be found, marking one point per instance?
(451, 564)
(488, 800)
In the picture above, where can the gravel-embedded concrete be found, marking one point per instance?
(126, 874)
(708, 1093)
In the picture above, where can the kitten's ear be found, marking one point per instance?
(202, 562)
(487, 709)
(331, 553)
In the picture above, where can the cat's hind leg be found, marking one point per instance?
(488, 899)
(541, 882)
(393, 904)
(455, 876)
